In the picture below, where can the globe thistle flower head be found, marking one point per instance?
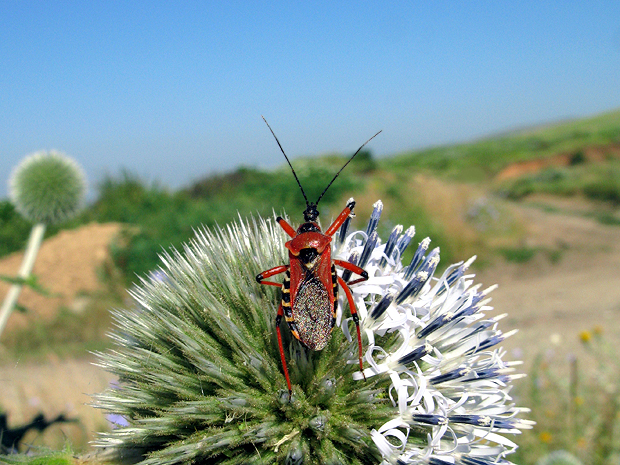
(47, 187)
(200, 377)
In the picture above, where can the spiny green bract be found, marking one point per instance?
(199, 370)
(47, 187)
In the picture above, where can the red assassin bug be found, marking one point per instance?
(310, 287)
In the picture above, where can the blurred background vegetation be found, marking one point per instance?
(573, 159)
(455, 194)
(459, 195)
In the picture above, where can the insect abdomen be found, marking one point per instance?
(313, 314)
(311, 317)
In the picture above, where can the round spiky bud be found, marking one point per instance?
(47, 187)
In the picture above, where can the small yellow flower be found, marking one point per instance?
(578, 400)
(585, 336)
(545, 437)
(582, 443)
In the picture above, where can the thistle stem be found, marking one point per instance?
(34, 242)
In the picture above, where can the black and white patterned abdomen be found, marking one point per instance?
(313, 313)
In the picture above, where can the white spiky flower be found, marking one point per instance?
(200, 378)
(449, 382)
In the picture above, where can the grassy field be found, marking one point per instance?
(481, 161)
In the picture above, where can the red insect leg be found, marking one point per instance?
(355, 269)
(356, 319)
(259, 278)
(271, 272)
(341, 218)
(278, 321)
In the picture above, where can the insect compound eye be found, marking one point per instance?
(307, 256)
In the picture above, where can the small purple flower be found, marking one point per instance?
(116, 420)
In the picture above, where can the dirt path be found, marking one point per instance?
(551, 303)
(66, 265)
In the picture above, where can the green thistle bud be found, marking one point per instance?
(200, 369)
(47, 187)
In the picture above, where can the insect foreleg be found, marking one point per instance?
(338, 221)
(288, 229)
(356, 319)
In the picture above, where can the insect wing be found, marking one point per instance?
(312, 301)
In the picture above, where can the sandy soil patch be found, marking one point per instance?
(53, 388)
(593, 153)
(66, 265)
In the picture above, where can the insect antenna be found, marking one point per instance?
(352, 157)
(289, 162)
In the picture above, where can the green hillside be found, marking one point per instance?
(457, 192)
(484, 159)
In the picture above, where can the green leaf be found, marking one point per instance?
(32, 282)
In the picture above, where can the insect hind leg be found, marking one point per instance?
(356, 319)
(282, 357)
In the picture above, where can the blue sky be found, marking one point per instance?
(172, 91)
